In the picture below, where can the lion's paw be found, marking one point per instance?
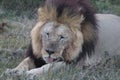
(12, 72)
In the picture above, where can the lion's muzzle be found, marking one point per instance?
(50, 51)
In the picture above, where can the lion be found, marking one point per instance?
(68, 31)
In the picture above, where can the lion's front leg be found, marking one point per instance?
(25, 65)
(44, 69)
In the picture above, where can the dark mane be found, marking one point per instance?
(74, 7)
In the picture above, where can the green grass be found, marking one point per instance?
(13, 42)
(106, 6)
(29, 7)
(108, 69)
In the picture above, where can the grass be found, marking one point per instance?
(13, 41)
(106, 6)
(108, 69)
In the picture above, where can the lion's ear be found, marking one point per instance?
(36, 39)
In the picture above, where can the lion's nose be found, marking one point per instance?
(49, 52)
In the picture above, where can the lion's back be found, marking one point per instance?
(109, 33)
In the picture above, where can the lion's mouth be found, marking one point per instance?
(50, 60)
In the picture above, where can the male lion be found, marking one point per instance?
(69, 31)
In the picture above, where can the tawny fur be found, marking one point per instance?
(36, 40)
(50, 14)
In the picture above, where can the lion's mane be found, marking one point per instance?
(78, 14)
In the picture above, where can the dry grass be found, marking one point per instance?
(13, 41)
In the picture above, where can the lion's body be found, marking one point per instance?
(109, 34)
(69, 31)
(109, 37)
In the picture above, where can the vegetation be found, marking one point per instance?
(107, 6)
(29, 7)
(20, 16)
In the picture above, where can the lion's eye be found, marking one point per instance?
(61, 37)
(47, 34)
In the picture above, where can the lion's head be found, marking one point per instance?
(58, 41)
(66, 30)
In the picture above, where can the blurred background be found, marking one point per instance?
(29, 7)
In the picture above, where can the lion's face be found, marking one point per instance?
(56, 38)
